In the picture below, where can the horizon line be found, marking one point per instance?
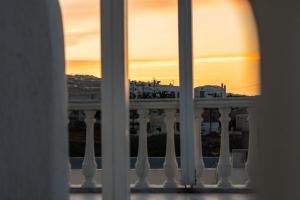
(197, 59)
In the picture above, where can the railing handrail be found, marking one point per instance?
(169, 103)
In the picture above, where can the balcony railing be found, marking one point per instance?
(223, 176)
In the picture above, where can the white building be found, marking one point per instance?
(210, 91)
(154, 89)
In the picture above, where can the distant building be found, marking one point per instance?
(84, 87)
(140, 90)
(210, 91)
(242, 122)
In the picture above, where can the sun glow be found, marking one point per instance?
(225, 42)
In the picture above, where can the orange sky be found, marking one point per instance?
(225, 43)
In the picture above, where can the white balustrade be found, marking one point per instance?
(199, 156)
(252, 148)
(224, 165)
(171, 117)
(89, 166)
(142, 164)
(170, 164)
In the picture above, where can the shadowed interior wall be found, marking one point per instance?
(33, 139)
(279, 163)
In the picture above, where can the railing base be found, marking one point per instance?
(236, 189)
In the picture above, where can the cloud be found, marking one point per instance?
(74, 38)
(138, 6)
(76, 13)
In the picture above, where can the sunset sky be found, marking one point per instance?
(225, 42)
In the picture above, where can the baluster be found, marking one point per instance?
(199, 156)
(170, 164)
(89, 166)
(70, 166)
(252, 148)
(177, 120)
(224, 165)
(142, 164)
